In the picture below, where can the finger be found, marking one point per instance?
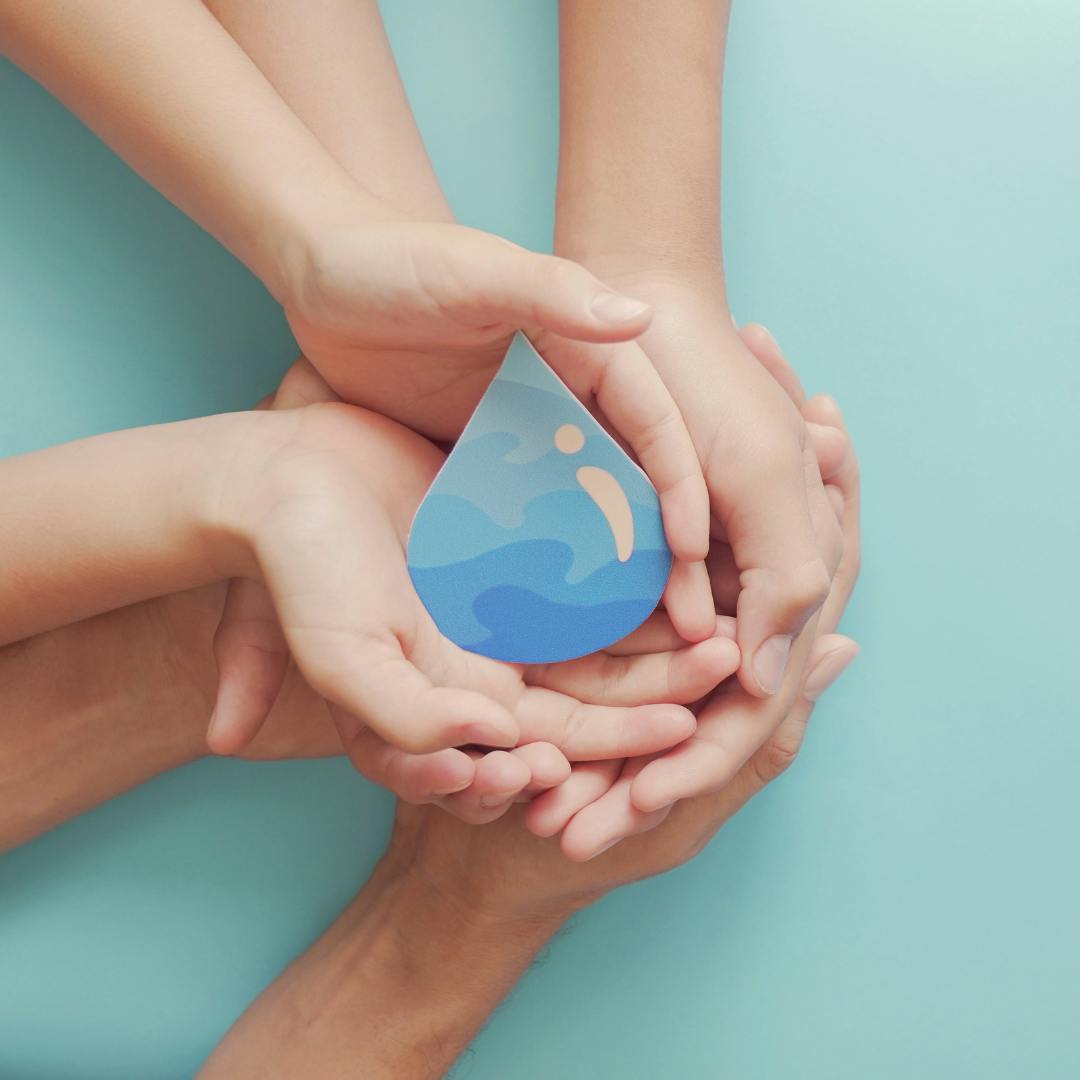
(302, 385)
(764, 503)
(688, 600)
(680, 676)
(764, 346)
(846, 479)
(547, 766)
(500, 777)
(415, 778)
(377, 685)
(830, 447)
(655, 634)
(346, 627)
(586, 732)
(613, 817)
(786, 576)
(831, 657)
(252, 661)
(636, 402)
(483, 279)
(836, 500)
(731, 727)
(549, 813)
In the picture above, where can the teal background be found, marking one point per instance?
(901, 207)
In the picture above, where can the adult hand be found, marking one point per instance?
(766, 494)
(605, 801)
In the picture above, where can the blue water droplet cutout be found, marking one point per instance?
(539, 540)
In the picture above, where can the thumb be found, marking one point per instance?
(496, 281)
(783, 576)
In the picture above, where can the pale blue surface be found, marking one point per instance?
(902, 207)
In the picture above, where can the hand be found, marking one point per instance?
(411, 321)
(606, 801)
(766, 494)
(554, 703)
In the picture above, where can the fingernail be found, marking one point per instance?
(460, 785)
(597, 854)
(488, 735)
(771, 662)
(616, 308)
(489, 802)
(829, 668)
(215, 720)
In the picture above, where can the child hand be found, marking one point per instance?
(556, 704)
(603, 802)
(411, 320)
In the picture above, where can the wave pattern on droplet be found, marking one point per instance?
(511, 555)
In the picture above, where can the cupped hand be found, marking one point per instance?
(765, 490)
(604, 802)
(411, 320)
(339, 601)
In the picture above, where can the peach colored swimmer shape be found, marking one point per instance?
(604, 490)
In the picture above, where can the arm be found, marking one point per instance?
(449, 921)
(639, 201)
(430, 306)
(395, 989)
(90, 711)
(639, 151)
(453, 915)
(331, 63)
(100, 523)
(315, 503)
(173, 94)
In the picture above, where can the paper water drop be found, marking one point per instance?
(539, 539)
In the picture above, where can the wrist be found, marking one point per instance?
(659, 273)
(396, 988)
(240, 483)
(307, 245)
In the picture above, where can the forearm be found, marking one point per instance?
(639, 154)
(172, 93)
(92, 710)
(104, 522)
(331, 63)
(395, 989)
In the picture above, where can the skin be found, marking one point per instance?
(253, 656)
(639, 202)
(314, 504)
(403, 980)
(638, 199)
(357, 277)
(452, 916)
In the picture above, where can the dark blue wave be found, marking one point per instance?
(519, 594)
(528, 629)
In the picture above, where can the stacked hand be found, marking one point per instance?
(591, 711)
(408, 704)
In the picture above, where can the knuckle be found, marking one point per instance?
(774, 759)
(557, 274)
(423, 739)
(832, 546)
(806, 588)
